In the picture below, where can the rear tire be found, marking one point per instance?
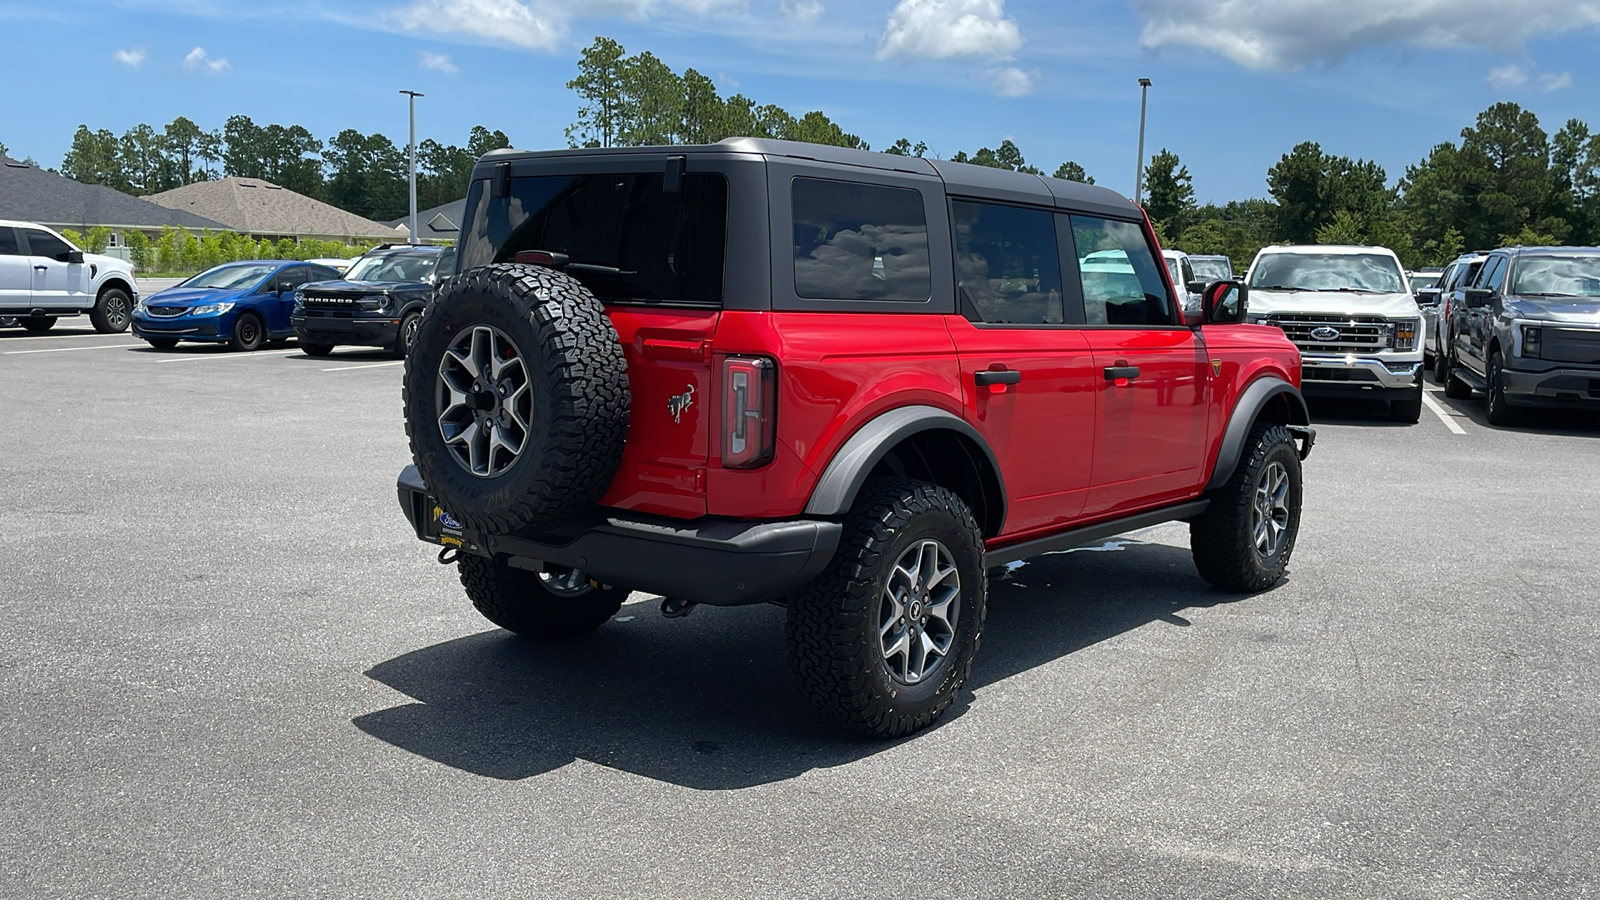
(1242, 542)
(883, 640)
(38, 324)
(315, 349)
(113, 311)
(162, 343)
(248, 333)
(534, 604)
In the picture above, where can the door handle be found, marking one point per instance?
(42, 268)
(1121, 373)
(997, 376)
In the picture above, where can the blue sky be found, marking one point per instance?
(1236, 82)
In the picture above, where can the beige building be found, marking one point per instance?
(265, 210)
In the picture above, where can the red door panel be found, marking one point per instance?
(1152, 436)
(1042, 427)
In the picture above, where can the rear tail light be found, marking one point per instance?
(749, 411)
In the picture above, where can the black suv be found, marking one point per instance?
(378, 304)
(1528, 332)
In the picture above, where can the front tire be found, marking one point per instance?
(248, 333)
(1495, 407)
(315, 349)
(405, 336)
(38, 324)
(883, 640)
(1409, 410)
(540, 605)
(162, 343)
(1242, 542)
(113, 311)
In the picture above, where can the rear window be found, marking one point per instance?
(625, 240)
(859, 242)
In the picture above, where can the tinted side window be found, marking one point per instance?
(625, 239)
(859, 242)
(9, 245)
(1121, 277)
(43, 243)
(1448, 279)
(1007, 263)
(1497, 274)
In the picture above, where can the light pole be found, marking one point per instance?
(1138, 171)
(412, 159)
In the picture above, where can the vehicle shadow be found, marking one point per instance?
(1557, 422)
(708, 702)
(361, 354)
(1351, 411)
(17, 332)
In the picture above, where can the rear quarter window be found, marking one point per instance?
(859, 242)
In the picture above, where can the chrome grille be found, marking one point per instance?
(166, 312)
(1572, 345)
(1356, 334)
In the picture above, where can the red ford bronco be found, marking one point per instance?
(844, 382)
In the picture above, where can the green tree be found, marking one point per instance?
(243, 149)
(651, 110)
(367, 175)
(1169, 190)
(181, 141)
(481, 140)
(599, 87)
(1507, 158)
(290, 158)
(92, 159)
(97, 239)
(139, 249)
(1345, 228)
(141, 156)
(3, 150)
(701, 110)
(904, 147)
(1071, 171)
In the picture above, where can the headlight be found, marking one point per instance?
(207, 309)
(139, 306)
(1530, 341)
(374, 302)
(1404, 335)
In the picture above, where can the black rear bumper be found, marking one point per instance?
(719, 562)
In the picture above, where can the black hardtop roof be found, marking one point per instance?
(960, 179)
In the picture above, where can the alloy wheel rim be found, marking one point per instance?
(920, 608)
(117, 313)
(571, 583)
(1269, 515)
(485, 401)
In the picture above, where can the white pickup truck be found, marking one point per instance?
(43, 277)
(1351, 312)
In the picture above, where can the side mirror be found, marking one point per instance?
(1195, 287)
(72, 256)
(1225, 302)
(1427, 296)
(1476, 297)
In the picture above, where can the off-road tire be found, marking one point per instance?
(1495, 407)
(38, 324)
(315, 349)
(833, 632)
(1222, 538)
(579, 423)
(405, 335)
(162, 343)
(1409, 410)
(249, 333)
(113, 311)
(517, 600)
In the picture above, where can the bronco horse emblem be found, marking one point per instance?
(677, 404)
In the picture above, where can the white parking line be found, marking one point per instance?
(69, 349)
(215, 355)
(398, 362)
(59, 337)
(1444, 417)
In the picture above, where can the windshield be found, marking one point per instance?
(393, 268)
(1367, 272)
(1422, 280)
(1172, 270)
(1211, 269)
(230, 277)
(1557, 276)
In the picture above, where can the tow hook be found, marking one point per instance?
(447, 555)
(1307, 436)
(676, 609)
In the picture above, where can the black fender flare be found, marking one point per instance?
(848, 470)
(1245, 413)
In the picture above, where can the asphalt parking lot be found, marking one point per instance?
(231, 671)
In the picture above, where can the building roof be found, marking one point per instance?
(31, 194)
(256, 206)
(442, 223)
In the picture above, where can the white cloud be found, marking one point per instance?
(1012, 81)
(132, 58)
(803, 11)
(946, 29)
(1287, 34)
(199, 61)
(500, 21)
(438, 62)
(1508, 76)
(1550, 81)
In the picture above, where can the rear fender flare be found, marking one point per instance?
(1246, 412)
(840, 482)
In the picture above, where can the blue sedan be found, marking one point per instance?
(241, 304)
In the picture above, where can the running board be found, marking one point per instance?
(1470, 378)
(1077, 537)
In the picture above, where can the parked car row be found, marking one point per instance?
(249, 304)
(44, 277)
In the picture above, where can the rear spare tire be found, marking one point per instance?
(516, 398)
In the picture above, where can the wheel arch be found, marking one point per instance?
(921, 442)
(1267, 399)
(114, 281)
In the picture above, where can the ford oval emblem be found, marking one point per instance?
(1325, 333)
(449, 521)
